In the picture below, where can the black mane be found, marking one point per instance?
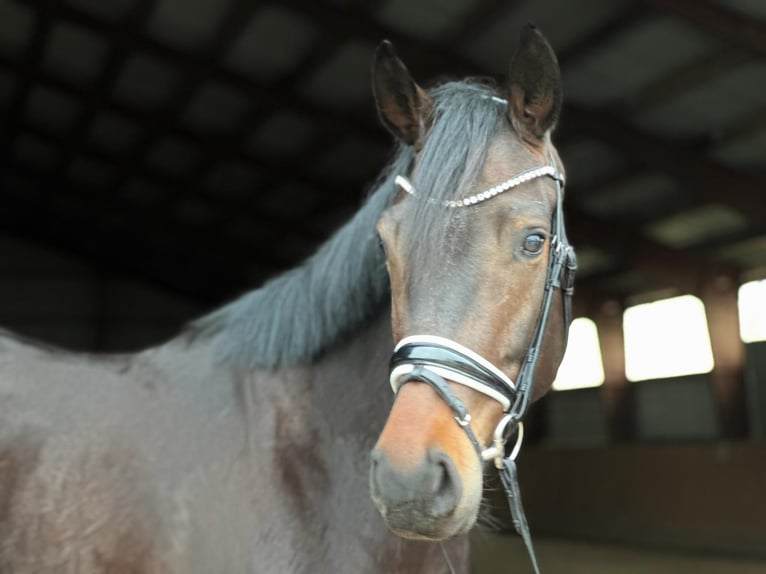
(296, 316)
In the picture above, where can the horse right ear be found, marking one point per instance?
(534, 87)
(403, 106)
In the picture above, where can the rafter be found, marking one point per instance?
(711, 180)
(423, 57)
(729, 26)
(667, 266)
(198, 62)
(680, 80)
(148, 219)
(119, 253)
(25, 75)
(192, 78)
(333, 194)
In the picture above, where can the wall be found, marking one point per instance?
(693, 498)
(492, 554)
(59, 300)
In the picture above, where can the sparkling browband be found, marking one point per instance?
(533, 173)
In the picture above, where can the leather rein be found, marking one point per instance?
(436, 360)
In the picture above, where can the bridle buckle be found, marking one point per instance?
(496, 452)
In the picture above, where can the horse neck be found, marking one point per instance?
(347, 386)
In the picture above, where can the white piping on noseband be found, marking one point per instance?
(502, 187)
(399, 376)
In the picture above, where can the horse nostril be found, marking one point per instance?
(432, 488)
(447, 483)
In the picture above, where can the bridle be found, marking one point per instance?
(436, 360)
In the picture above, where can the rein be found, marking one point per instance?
(436, 360)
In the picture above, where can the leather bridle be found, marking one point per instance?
(436, 360)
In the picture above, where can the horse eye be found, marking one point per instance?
(533, 244)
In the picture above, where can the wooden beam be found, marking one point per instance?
(333, 193)
(615, 393)
(680, 80)
(117, 253)
(192, 78)
(91, 98)
(25, 76)
(735, 29)
(149, 222)
(199, 63)
(713, 181)
(727, 378)
(668, 266)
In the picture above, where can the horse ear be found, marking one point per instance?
(403, 106)
(534, 86)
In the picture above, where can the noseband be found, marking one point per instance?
(436, 360)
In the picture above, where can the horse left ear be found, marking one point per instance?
(403, 106)
(534, 87)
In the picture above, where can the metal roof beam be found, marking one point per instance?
(731, 27)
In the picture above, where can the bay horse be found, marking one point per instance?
(243, 444)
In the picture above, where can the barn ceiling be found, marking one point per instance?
(205, 145)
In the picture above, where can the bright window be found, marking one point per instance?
(581, 366)
(666, 338)
(752, 311)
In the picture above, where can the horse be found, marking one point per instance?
(263, 437)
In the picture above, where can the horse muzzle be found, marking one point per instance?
(422, 501)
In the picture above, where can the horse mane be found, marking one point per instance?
(293, 318)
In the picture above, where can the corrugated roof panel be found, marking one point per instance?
(21, 187)
(195, 211)
(426, 18)
(107, 9)
(145, 81)
(91, 173)
(563, 23)
(336, 163)
(15, 27)
(232, 179)
(7, 89)
(697, 225)
(114, 132)
(748, 253)
(172, 155)
(142, 192)
(591, 260)
(589, 162)
(292, 200)
(187, 23)
(638, 199)
(215, 107)
(242, 230)
(748, 152)
(51, 109)
(271, 44)
(751, 8)
(75, 52)
(35, 152)
(344, 80)
(283, 134)
(709, 107)
(647, 52)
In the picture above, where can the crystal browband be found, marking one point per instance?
(533, 173)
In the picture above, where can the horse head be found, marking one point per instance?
(469, 244)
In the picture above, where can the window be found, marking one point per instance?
(581, 367)
(666, 338)
(752, 311)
